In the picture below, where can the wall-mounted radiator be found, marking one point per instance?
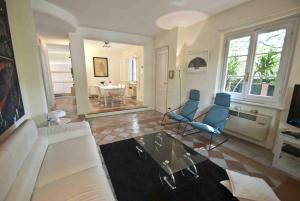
(254, 126)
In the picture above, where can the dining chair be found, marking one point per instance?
(114, 94)
(100, 94)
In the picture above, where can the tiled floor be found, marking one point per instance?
(235, 154)
(113, 105)
(68, 104)
(106, 131)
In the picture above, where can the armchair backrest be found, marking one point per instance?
(218, 114)
(191, 106)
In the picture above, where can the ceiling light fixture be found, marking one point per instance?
(178, 2)
(106, 44)
(183, 18)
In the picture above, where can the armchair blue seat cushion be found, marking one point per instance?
(187, 112)
(177, 117)
(204, 127)
(189, 109)
(194, 95)
(217, 117)
(222, 99)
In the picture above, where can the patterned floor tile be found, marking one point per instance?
(215, 154)
(222, 163)
(124, 135)
(235, 165)
(109, 138)
(119, 127)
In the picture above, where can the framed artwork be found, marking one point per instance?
(197, 63)
(11, 104)
(171, 74)
(100, 66)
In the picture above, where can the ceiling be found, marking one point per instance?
(136, 16)
(93, 44)
(52, 29)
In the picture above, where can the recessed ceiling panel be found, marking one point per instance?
(136, 16)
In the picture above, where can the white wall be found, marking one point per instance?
(208, 35)
(78, 62)
(46, 75)
(170, 39)
(114, 58)
(27, 58)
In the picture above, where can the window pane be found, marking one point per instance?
(130, 70)
(134, 69)
(267, 61)
(236, 64)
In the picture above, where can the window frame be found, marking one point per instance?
(291, 25)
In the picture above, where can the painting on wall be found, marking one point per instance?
(100, 67)
(11, 105)
(197, 63)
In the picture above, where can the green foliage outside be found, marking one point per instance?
(266, 69)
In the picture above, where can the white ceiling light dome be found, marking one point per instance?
(183, 18)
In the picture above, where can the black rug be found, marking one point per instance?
(135, 179)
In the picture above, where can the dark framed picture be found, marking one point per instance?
(100, 66)
(11, 104)
(171, 74)
(197, 63)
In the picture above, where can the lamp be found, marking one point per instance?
(106, 44)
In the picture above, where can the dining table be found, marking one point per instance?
(106, 90)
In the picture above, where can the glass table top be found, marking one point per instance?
(171, 154)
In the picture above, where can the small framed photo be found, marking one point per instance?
(197, 63)
(100, 66)
(171, 74)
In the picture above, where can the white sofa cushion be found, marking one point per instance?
(251, 188)
(67, 158)
(13, 153)
(66, 131)
(24, 183)
(90, 184)
(227, 185)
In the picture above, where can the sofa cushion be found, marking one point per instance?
(67, 158)
(227, 185)
(90, 184)
(13, 153)
(23, 186)
(63, 132)
(251, 188)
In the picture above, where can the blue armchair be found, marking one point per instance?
(185, 113)
(215, 120)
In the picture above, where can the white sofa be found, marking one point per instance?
(53, 163)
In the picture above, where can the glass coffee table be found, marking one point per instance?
(171, 155)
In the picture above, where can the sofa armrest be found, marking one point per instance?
(64, 132)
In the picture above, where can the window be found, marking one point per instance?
(256, 63)
(132, 70)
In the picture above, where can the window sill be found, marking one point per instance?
(257, 104)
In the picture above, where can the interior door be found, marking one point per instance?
(161, 71)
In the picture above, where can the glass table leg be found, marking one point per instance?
(168, 178)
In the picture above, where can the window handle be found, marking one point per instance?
(246, 77)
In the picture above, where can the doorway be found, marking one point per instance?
(161, 82)
(114, 76)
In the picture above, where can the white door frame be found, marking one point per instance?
(165, 48)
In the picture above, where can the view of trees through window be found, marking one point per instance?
(262, 75)
(236, 63)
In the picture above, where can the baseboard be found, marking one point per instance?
(117, 112)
